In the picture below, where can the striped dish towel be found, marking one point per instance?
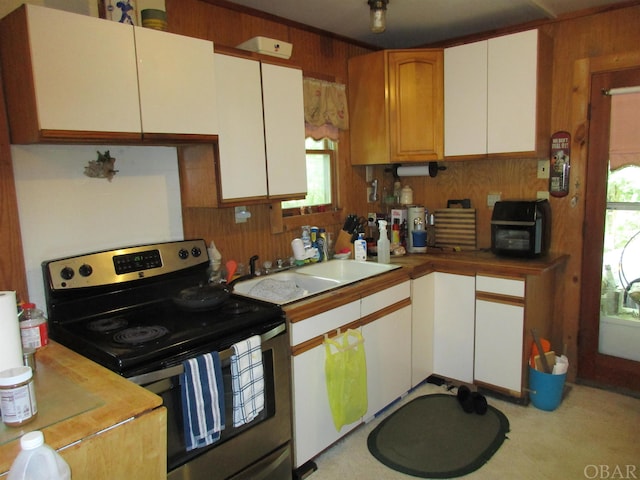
(202, 400)
(247, 380)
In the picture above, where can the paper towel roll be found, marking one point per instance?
(10, 343)
(413, 171)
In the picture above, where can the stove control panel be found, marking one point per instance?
(124, 264)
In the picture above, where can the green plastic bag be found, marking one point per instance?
(346, 375)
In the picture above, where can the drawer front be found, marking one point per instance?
(502, 286)
(380, 300)
(324, 322)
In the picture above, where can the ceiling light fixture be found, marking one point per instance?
(378, 15)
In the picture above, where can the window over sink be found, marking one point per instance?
(321, 186)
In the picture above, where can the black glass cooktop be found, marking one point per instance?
(158, 335)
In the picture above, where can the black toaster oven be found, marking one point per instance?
(521, 228)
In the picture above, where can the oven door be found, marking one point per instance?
(262, 445)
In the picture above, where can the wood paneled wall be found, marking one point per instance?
(12, 270)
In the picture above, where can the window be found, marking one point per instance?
(321, 167)
(622, 227)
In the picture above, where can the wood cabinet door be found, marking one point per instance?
(137, 447)
(284, 131)
(512, 92)
(465, 99)
(416, 109)
(242, 164)
(177, 83)
(83, 73)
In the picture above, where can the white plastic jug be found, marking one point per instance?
(38, 461)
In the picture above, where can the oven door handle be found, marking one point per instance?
(151, 377)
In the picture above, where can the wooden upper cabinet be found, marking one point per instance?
(74, 78)
(396, 106)
(497, 96)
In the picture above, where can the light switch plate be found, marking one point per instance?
(543, 168)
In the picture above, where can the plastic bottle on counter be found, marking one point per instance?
(38, 460)
(395, 232)
(17, 396)
(322, 245)
(360, 249)
(384, 253)
(33, 327)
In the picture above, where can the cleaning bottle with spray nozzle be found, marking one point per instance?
(384, 254)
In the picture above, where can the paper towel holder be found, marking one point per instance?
(430, 169)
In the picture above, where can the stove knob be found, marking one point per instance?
(183, 254)
(85, 270)
(67, 273)
(196, 252)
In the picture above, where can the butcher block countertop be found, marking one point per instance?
(77, 399)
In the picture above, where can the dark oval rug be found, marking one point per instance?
(432, 437)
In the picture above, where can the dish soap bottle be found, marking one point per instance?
(360, 249)
(384, 254)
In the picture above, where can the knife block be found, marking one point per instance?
(344, 241)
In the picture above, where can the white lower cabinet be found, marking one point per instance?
(422, 301)
(453, 313)
(498, 347)
(384, 318)
(313, 428)
(387, 343)
(499, 333)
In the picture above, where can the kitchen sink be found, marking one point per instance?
(346, 271)
(286, 287)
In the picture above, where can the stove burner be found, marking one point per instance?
(236, 308)
(105, 325)
(140, 335)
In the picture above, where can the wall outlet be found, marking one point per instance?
(543, 168)
(542, 195)
(492, 198)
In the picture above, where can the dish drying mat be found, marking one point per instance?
(277, 290)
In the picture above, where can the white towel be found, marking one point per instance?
(202, 400)
(247, 380)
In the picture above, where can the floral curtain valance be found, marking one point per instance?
(325, 108)
(624, 140)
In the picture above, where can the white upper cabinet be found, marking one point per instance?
(176, 76)
(497, 95)
(75, 78)
(284, 130)
(261, 133)
(512, 92)
(242, 164)
(465, 99)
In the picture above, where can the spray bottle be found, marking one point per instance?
(384, 254)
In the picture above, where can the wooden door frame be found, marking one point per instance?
(588, 367)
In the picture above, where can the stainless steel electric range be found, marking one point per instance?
(118, 308)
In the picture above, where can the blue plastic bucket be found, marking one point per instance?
(545, 389)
